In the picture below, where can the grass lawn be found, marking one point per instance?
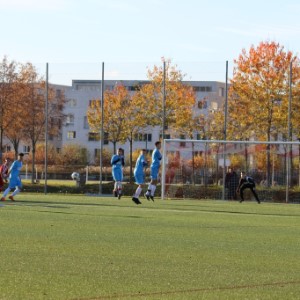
(81, 247)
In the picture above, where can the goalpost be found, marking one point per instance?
(198, 169)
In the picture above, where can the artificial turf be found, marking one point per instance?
(82, 247)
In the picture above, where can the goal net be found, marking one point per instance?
(211, 169)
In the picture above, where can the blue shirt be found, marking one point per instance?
(15, 169)
(140, 164)
(117, 162)
(156, 158)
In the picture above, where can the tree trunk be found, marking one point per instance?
(33, 163)
(130, 155)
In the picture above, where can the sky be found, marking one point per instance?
(76, 36)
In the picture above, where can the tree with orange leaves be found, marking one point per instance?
(116, 102)
(8, 92)
(123, 117)
(259, 94)
(180, 99)
(29, 117)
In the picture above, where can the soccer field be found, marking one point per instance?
(81, 247)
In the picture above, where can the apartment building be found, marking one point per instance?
(210, 97)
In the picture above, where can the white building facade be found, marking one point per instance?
(210, 97)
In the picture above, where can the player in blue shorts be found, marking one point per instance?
(14, 178)
(139, 175)
(154, 169)
(117, 162)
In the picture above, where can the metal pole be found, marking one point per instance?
(102, 131)
(163, 129)
(288, 161)
(46, 128)
(163, 172)
(225, 130)
(164, 101)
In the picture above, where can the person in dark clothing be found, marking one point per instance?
(231, 184)
(247, 182)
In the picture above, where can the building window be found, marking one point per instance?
(26, 149)
(148, 137)
(182, 144)
(70, 119)
(221, 92)
(58, 93)
(94, 103)
(7, 148)
(94, 136)
(202, 104)
(105, 140)
(167, 136)
(72, 102)
(71, 135)
(202, 88)
(142, 137)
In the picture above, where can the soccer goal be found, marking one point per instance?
(211, 169)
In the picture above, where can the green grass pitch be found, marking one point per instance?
(81, 247)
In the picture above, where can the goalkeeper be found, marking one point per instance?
(246, 182)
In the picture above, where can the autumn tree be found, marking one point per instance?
(8, 91)
(72, 154)
(33, 118)
(123, 117)
(114, 113)
(180, 99)
(134, 125)
(259, 93)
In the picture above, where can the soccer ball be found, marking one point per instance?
(75, 176)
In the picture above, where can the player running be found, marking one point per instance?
(14, 178)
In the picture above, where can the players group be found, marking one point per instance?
(117, 162)
(12, 174)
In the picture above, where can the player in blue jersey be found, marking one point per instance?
(139, 175)
(154, 169)
(14, 178)
(117, 162)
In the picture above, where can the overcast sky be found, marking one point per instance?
(193, 33)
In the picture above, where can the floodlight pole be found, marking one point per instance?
(288, 162)
(163, 129)
(46, 128)
(225, 130)
(164, 101)
(102, 130)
